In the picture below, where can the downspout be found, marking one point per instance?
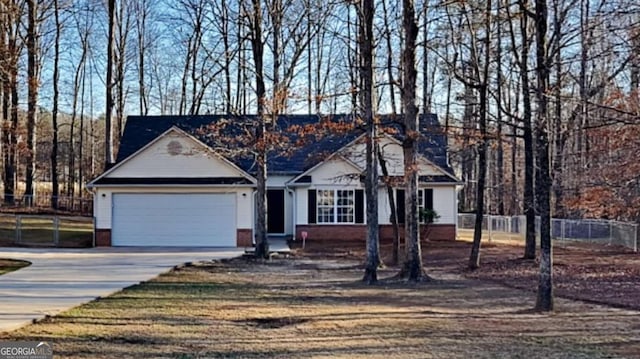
(455, 209)
(294, 209)
(92, 189)
(253, 222)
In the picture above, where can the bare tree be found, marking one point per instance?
(257, 48)
(366, 42)
(12, 48)
(477, 22)
(84, 19)
(523, 61)
(142, 10)
(109, 82)
(482, 78)
(33, 70)
(392, 99)
(544, 300)
(55, 190)
(124, 28)
(412, 268)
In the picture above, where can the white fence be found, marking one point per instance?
(562, 230)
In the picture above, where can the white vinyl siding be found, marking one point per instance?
(194, 160)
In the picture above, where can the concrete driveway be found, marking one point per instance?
(59, 279)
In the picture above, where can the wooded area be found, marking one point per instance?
(540, 99)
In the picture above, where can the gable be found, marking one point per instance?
(335, 170)
(393, 156)
(175, 155)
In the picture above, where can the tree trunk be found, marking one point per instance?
(468, 153)
(559, 133)
(390, 56)
(529, 209)
(227, 56)
(71, 180)
(11, 160)
(124, 18)
(81, 132)
(257, 47)
(366, 43)
(393, 206)
(544, 300)
(10, 107)
(383, 163)
(474, 258)
(32, 101)
(55, 190)
(108, 144)
(412, 268)
(426, 97)
(352, 57)
(499, 183)
(141, 23)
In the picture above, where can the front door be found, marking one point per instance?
(275, 207)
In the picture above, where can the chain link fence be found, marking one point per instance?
(512, 228)
(46, 231)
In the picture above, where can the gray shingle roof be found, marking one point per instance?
(296, 158)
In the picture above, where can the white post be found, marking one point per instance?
(56, 231)
(562, 230)
(610, 232)
(18, 229)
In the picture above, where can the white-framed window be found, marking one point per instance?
(336, 206)
(326, 206)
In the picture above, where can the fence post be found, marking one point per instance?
(18, 229)
(56, 231)
(610, 232)
(490, 222)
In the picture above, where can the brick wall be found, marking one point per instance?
(352, 232)
(243, 237)
(103, 237)
(348, 232)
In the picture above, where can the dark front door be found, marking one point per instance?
(275, 207)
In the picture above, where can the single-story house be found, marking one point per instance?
(175, 185)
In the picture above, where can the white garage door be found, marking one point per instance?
(177, 220)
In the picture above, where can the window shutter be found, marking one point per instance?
(428, 198)
(311, 206)
(400, 205)
(359, 205)
(428, 202)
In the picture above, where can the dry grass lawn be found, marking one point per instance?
(317, 308)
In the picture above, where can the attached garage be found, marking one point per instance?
(174, 219)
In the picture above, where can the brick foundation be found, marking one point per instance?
(103, 237)
(351, 232)
(243, 237)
